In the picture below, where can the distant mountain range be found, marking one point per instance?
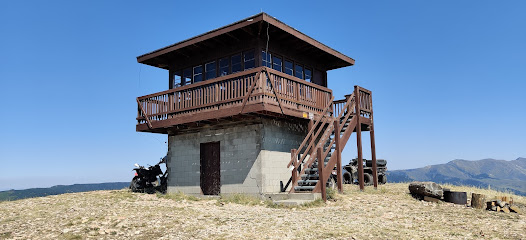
(496, 174)
(60, 189)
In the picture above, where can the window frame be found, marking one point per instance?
(218, 70)
(206, 72)
(229, 69)
(253, 59)
(285, 60)
(200, 74)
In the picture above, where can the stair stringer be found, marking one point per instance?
(332, 161)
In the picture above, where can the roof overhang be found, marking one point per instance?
(249, 26)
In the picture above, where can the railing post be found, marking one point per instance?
(294, 163)
(338, 155)
(296, 87)
(321, 165)
(358, 136)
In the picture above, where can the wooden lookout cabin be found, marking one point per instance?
(248, 110)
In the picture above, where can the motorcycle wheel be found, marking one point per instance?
(134, 185)
(164, 186)
(150, 190)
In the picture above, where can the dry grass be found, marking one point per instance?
(386, 213)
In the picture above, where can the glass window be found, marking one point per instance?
(177, 79)
(248, 59)
(210, 70)
(298, 71)
(236, 63)
(265, 59)
(224, 66)
(308, 74)
(198, 73)
(288, 68)
(187, 76)
(276, 63)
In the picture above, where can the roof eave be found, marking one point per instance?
(242, 23)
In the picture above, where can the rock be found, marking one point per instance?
(498, 209)
(429, 189)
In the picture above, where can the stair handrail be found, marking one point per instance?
(351, 101)
(337, 131)
(294, 156)
(349, 106)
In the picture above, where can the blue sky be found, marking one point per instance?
(448, 78)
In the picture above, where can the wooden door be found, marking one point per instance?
(210, 168)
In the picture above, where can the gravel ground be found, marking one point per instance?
(386, 213)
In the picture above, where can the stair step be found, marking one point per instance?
(304, 188)
(310, 176)
(307, 182)
(311, 169)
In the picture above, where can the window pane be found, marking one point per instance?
(198, 73)
(276, 63)
(298, 71)
(288, 68)
(308, 74)
(265, 59)
(177, 79)
(248, 59)
(224, 66)
(210, 69)
(236, 63)
(187, 76)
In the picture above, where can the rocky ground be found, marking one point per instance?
(387, 213)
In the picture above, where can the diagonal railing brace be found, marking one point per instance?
(245, 100)
(274, 90)
(144, 113)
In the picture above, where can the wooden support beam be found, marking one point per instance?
(358, 137)
(274, 90)
(373, 147)
(247, 96)
(338, 152)
(144, 113)
(320, 173)
(373, 156)
(294, 162)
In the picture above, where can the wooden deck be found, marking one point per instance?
(257, 91)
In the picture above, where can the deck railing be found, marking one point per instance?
(235, 90)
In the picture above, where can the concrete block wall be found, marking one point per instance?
(253, 156)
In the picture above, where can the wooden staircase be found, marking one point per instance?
(320, 152)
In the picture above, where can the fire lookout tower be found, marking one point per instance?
(248, 107)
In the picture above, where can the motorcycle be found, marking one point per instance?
(149, 179)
